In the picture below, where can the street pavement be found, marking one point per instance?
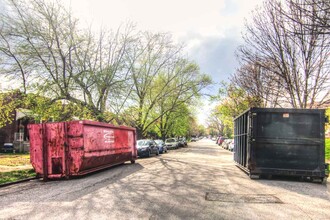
(197, 182)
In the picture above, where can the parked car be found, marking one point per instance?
(172, 143)
(161, 146)
(8, 147)
(225, 143)
(182, 142)
(221, 140)
(193, 139)
(146, 147)
(231, 146)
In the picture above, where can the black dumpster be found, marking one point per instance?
(285, 142)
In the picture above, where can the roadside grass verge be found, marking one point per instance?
(16, 175)
(327, 149)
(327, 153)
(14, 167)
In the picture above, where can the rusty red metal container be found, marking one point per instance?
(64, 149)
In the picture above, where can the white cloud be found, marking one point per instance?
(207, 17)
(204, 26)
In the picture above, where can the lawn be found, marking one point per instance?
(16, 175)
(14, 167)
(327, 152)
(14, 159)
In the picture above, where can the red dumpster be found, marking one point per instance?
(64, 149)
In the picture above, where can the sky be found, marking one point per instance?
(210, 29)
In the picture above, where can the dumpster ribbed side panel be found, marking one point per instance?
(241, 137)
(36, 153)
(290, 140)
(281, 142)
(64, 149)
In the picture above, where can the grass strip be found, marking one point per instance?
(12, 176)
(327, 149)
(327, 153)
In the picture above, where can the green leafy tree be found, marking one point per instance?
(43, 46)
(327, 125)
(193, 127)
(201, 130)
(114, 76)
(44, 109)
(160, 76)
(9, 101)
(174, 123)
(233, 102)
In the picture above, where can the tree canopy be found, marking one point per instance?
(285, 58)
(122, 76)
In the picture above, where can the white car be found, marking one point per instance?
(226, 143)
(172, 143)
(231, 145)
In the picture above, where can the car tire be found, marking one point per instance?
(157, 152)
(149, 153)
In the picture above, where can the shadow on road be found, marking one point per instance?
(171, 186)
(69, 190)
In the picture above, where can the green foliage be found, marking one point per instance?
(213, 132)
(327, 125)
(16, 175)
(180, 122)
(201, 130)
(225, 116)
(162, 97)
(10, 162)
(40, 108)
(8, 104)
(174, 123)
(233, 101)
(236, 101)
(327, 149)
(45, 109)
(124, 76)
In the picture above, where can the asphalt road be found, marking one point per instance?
(198, 182)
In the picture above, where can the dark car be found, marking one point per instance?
(146, 147)
(161, 146)
(8, 147)
(182, 142)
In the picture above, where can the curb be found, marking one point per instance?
(16, 182)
